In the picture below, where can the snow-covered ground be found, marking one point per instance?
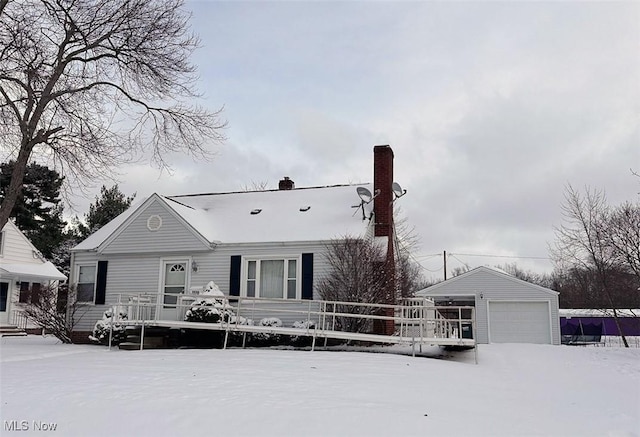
(514, 390)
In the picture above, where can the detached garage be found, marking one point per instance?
(508, 310)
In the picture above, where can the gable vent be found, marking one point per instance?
(154, 222)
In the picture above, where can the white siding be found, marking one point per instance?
(173, 236)
(16, 247)
(488, 285)
(129, 273)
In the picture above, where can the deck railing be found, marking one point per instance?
(416, 320)
(18, 319)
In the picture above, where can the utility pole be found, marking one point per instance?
(444, 257)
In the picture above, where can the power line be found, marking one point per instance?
(433, 255)
(501, 256)
(419, 259)
(459, 260)
(423, 267)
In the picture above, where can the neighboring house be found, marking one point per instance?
(508, 310)
(256, 244)
(23, 273)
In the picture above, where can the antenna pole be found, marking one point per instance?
(444, 257)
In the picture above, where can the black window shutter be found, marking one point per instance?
(234, 275)
(4, 295)
(101, 282)
(24, 292)
(307, 276)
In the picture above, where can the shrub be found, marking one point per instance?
(102, 327)
(304, 324)
(213, 307)
(303, 340)
(235, 337)
(207, 311)
(265, 338)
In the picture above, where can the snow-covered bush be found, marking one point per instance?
(240, 320)
(302, 340)
(213, 307)
(236, 337)
(271, 321)
(304, 324)
(266, 338)
(102, 327)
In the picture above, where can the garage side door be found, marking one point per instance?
(519, 322)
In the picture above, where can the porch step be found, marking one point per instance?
(129, 346)
(133, 343)
(11, 331)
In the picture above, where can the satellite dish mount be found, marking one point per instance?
(398, 192)
(365, 198)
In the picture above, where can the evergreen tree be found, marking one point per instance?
(110, 204)
(61, 256)
(38, 211)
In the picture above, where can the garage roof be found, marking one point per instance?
(437, 289)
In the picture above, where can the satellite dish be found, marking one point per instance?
(365, 198)
(397, 190)
(364, 194)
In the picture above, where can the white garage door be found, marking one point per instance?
(519, 322)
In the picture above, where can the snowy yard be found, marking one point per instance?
(514, 390)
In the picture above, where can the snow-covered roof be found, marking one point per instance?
(442, 288)
(301, 214)
(498, 269)
(94, 240)
(586, 312)
(45, 270)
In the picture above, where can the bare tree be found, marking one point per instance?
(514, 270)
(46, 310)
(92, 84)
(255, 186)
(357, 273)
(624, 235)
(3, 4)
(582, 242)
(408, 272)
(457, 271)
(579, 288)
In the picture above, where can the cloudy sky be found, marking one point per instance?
(491, 109)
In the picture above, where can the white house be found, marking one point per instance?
(256, 244)
(508, 310)
(23, 272)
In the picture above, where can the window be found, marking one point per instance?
(272, 278)
(29, 293)
(86, 283)
(1, 243)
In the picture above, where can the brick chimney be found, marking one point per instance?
(286, 184)
(383, 214)
(382, 180)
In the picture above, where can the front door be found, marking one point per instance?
(4, 303)
(174, 283)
